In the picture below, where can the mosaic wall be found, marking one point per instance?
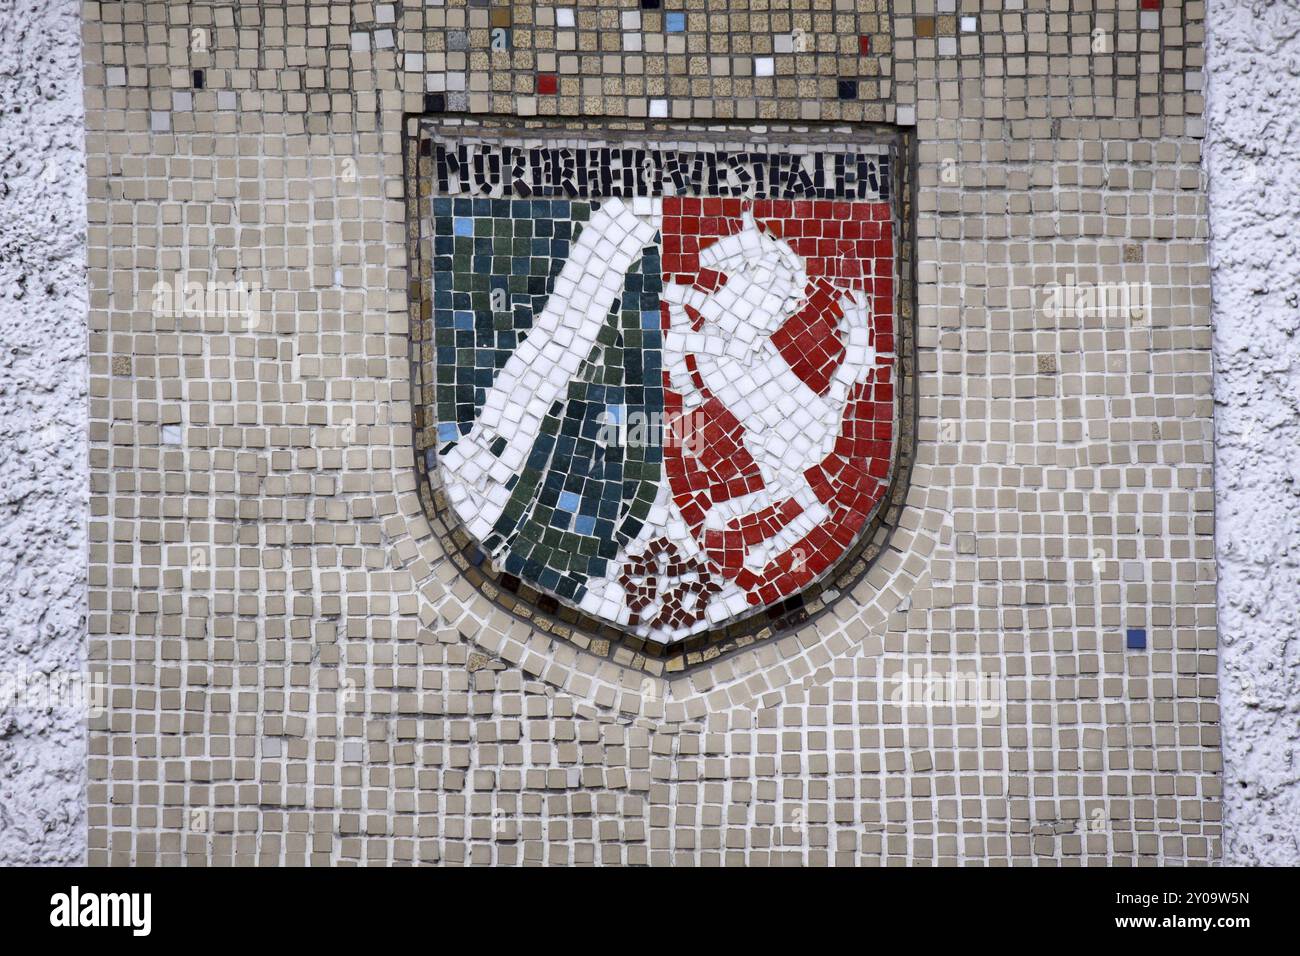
(346, 617)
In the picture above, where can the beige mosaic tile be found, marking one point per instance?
(299, 671)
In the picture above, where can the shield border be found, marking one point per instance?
(547, 613)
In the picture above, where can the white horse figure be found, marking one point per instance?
(788, 427)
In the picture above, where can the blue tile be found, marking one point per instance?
(674, 22)
(585, 524)
(464, 226)
(569, 501)
(1137, 638)
(650, 320)
(447, 431)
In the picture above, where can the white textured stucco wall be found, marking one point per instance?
(1254, 165)
(1254, 169)
(43, 474)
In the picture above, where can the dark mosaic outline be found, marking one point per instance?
(545, 612)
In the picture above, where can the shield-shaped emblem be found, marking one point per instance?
(660, 382)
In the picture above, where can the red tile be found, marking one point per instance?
(547, 83)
